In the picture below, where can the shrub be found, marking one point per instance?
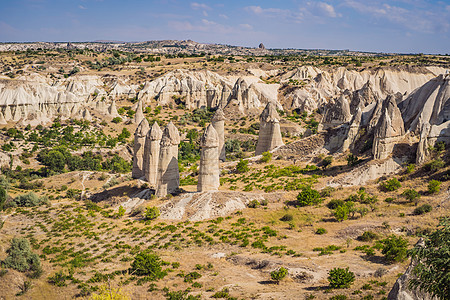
(28, 200)
(368, 236)
(59, 279)
(335, 203)
(394, 248)
(21, 258)
(308, 196)
(422, 209)
(279, 274)
(266, 157)
(434, 165)
(410, 168)
(327, 161)
(411, 195)
(148, 264)
(339, 297)
(434, 186)
(107, 293)
(3, 197)
(341, 213)
(151, 213)
(321, 230)
(390, 185)
(242, 166)
(117, 120)
(340, 278)
(287, 218)
(352, 160)
(430, 274)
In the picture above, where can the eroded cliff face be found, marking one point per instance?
(37, 98)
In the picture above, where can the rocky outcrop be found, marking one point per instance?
(168, 178)
(112, 110)
(2, 119)
(151, 154)
(138, 149)
(389, 129)
(139, 115)
(218, 121)
(430, 103)
(337, 113)
(208, 178)
(352, 132)
(269, 130)
(429, 136)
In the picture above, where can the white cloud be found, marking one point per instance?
(327, 9)
(81, 7)
(246, 26)
(276, 13)
(224, 16)
(196, 5)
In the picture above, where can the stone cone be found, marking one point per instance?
(2, 119)
(218, 121)
(208, 179)
(112, 110)
(138, 149)
(388, 130)
(151, 154)
(7, 113)
(168, 173)
(139, 116)
(269, 130)
(87, 115)
(352, 131)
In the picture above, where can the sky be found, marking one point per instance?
(401, 26)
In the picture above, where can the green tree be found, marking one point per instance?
(340, 278)
(242, 166)
(151, 213)
(434, 186)
(279, 274)
(411, 194)
(148, 264)
(266, 157)
(308, 196)
(395, 248)
(433, 268)
(21, 258)
(390, 185)
(3, 197)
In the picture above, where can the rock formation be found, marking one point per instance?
(138, 149)
(269, 130)
(112, 110)
(352, 132)
(388, 130)
(208, 178)
(430, 103)
(151, 154)
(218, 121)
(168, 174)
(139, 115)
(337, 113)
(2, 119)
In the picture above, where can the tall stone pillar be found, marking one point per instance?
(138, 149)
(208, 178)
(151, 154)
(218, 121)
(139, 115)
(168, 174)
(269, 130)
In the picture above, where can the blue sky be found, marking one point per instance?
(407, 26)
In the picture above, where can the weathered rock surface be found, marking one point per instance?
(208, 177)
(138, 149)
(139, 116)
(389, 129)
(151, 154)
(337, 113)
(168, 179)
(218, 121)
(352, 132)
(269, 130)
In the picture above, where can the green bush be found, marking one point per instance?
(147, 264)
(28, 200)
(390, 185)
(411, 194)
(394, 248)
(242, 166)
(287, 218)
(321, 231)
(434, 165)
(3, 197)
(308, 196)
(253, 204)
(434, 186)
(422, 209)
(21, 258)
(151, 213)
(340, 278)
(431, 274)
(335, 203)
(368, 236)
(327, 161)
(279, 274)
(342, 212)
(117, 120)
(266, 157)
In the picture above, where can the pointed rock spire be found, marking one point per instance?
(138, 148)
(112, 110)
(139, 116)
(269, 130)
(218, 121)
(151, 154)
(208, 178)
(168, 179)
(2, 119)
